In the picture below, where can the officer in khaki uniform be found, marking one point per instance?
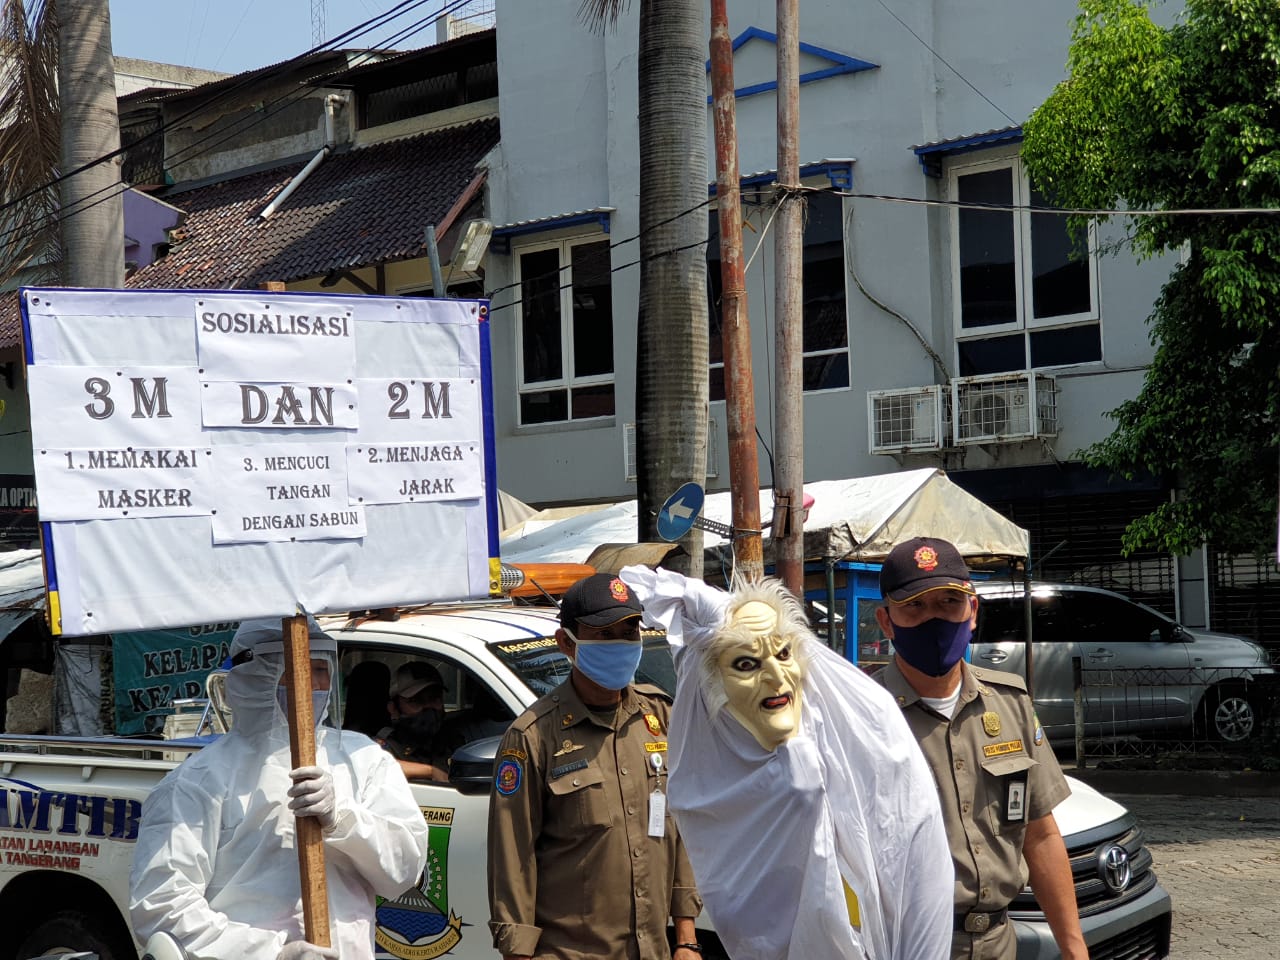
(584, 857)
(997, 778)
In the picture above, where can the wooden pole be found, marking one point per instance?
(788, 248)
(302, 749)
(739, 384)
(302, 752)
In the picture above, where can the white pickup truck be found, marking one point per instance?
(71, 807)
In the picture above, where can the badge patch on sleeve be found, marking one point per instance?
(1038, 737)
(508, 778)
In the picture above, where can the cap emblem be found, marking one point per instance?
(618, 590)
(926, 558)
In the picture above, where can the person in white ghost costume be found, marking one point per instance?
(809, 814)
(216, 862)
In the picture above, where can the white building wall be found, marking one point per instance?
(570, 141)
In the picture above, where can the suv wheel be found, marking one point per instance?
(1230, 715)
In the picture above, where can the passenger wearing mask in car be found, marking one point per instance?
(417, 713)
(997, 778)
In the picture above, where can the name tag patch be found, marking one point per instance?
(564, 768)
(1000, 749)
(657, 746)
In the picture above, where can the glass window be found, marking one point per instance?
(825, 338)
(826, 321)
(715, 327)
(988, 274)
(540, 315)
(1100, 618)
(1060, 284)
(541, 665)
(1055, 348)
(566, 333)
(1025, 287)
(992, 354)
(1003, 620)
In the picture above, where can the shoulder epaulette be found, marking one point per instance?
(535, 711)
(653, 692)
(1001, 678)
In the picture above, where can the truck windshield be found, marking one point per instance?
(542, 666)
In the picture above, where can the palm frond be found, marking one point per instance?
(30, 141)
(599, 15)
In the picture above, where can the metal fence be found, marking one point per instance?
(1172, 715)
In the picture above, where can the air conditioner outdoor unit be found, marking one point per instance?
(903, 421)
(1005, 408)
(629, 450)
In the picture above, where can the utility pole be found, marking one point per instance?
(739, 385)
(92, 208)
(788, 259)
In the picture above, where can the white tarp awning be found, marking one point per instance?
(857, 519)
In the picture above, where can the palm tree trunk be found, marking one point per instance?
(92, 209)
(671, 355)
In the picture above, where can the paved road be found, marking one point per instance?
(1219, 858)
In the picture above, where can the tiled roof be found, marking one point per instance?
(357, 208)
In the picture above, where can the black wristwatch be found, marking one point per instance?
(695, 947)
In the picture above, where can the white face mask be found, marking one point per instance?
(762, 677)
(319, 703)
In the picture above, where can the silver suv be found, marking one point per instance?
(1142, 672)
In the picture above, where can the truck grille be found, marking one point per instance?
(1148, 941)
(1111, 866)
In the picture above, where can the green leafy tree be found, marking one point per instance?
(1185, 117)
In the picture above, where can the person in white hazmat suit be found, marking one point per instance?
(809, 814)
(216, 861)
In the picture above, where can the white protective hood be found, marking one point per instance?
(771, 835)
(856, 519)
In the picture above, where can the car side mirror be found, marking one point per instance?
(471, 766)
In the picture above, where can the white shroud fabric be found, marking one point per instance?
(773, 836)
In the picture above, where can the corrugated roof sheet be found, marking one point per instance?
(987, 136)
(356, 209)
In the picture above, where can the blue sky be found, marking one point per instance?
(236, 35)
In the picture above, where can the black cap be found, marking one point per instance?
(598, 601)
(922, 564)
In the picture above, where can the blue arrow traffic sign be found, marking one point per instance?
(677, 515)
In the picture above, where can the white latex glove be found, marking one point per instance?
(312, 795)
(300, 949)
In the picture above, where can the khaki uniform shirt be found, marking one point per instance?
(573, 872)
(995, 773)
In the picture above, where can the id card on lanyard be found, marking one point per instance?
(657, 800)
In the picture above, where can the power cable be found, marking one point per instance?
(234, 129)
(247, 78)
(943, 60)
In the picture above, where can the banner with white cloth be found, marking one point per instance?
(206, 456)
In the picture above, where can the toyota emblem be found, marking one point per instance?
(1113, 868)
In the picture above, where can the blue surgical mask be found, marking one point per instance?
(933, 647)
(609, 665)
(319, 703)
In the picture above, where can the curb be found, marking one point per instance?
(1186, 783)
